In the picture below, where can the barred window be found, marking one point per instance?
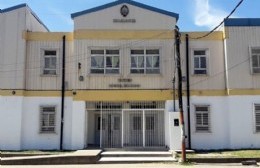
(257, 117)
(202, 117)
(47, 119)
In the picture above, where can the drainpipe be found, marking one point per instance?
(62, 91)
(188, 88)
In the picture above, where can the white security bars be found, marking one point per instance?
(128, 124)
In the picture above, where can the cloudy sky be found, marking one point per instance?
(195, 15)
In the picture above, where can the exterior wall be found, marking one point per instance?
(218, 137)
(35, 80)
(215, 79)
(13, 49)
(33, 23)
(238, 43)
(241, 122)
(11, 116)
(79, 120)
(102, 81)
(145, 20)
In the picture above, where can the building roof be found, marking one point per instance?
(118, 2)
(22, 6)
(242, 22)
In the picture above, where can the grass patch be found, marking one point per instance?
(224, 154)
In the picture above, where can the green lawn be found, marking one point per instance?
(225, 154)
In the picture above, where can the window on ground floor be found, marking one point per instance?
(202, 118)
(47, 119)
(257, 118)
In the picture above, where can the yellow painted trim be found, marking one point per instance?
(124, 95)
(128, 95)
(208, 93)
(226, 33)
(237, 92)
(10, 92)
(123, 34)
(47, 36)
(217, 35)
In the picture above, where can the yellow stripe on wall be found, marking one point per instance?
(47, 36)
(123, 34)
(218, 35)
(128, 95)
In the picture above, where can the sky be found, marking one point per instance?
(194, 15)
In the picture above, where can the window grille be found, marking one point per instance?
(202, 117)
(47, 119)
(257, 117)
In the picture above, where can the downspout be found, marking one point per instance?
(188, 88)
(62, 91)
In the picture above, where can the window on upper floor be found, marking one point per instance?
(145, 61)
(200, 63)
(105, 62)
(49, 62)
(202, 118)
(257, 117)
(255, 60)
(47, 119)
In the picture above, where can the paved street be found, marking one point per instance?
(150, 165)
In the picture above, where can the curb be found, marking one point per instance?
(221, 160)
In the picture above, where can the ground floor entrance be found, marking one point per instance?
(126, 124)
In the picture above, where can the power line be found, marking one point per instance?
(196, 38)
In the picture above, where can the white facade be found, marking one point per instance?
(126, 109)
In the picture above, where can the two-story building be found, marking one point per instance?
(109, 83)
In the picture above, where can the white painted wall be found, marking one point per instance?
(78, 125)
(10, 122)
(218, 138)
(241, 119)
(31, 136)
(145, 20)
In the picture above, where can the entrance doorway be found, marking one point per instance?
(124, 124)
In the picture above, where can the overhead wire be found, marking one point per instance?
(197, 38)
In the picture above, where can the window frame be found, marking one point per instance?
(193, 56)
(202, 112)
(255, 122)
(41, 126)
(251, 60)
(105, 68)
(145, 57)
(43, 65)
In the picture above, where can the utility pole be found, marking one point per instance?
(177, 41)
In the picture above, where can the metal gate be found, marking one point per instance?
(129, 124)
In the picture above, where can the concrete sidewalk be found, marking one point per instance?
(78, 157)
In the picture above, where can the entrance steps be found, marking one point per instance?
(136, 157)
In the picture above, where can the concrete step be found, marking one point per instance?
(113, 160)
(136, 154)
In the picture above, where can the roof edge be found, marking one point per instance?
(30, 10)
(242, 22)
(137, 4)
